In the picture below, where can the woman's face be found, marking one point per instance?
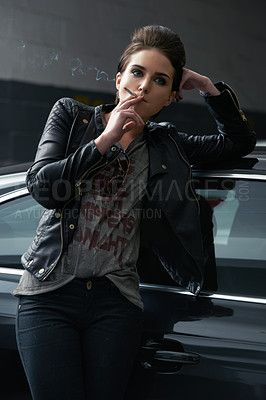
(148, 72)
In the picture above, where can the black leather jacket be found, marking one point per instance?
(67, 156)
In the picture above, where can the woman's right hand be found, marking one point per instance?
(193, 80)
(122, 119)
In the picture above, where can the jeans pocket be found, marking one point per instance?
(118, 295)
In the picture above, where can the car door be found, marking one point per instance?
(213, 345)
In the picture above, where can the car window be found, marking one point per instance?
(239, 227)
(233, 217)
(18, 222)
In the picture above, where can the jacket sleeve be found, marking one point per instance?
(52, 178)
(235, 138)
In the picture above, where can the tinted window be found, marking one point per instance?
(18, 223)
(239, 218)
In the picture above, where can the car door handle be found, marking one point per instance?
(166, 356)
(174, 356)
(177, 357)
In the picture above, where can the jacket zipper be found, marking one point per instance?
(237, 105)
(62, 240)
(78, 184)
(190, 173)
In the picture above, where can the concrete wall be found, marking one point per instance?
(71, 47)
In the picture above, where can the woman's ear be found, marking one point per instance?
(118, 80)
(171, 98)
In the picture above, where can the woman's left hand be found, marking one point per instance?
(192, 80)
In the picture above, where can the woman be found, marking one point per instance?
(100, 173)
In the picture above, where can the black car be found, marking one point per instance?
(208, 347)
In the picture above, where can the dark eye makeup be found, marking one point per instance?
(138, 73)
(161, 81)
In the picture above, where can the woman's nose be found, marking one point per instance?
(144, 86)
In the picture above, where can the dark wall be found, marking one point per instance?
(25, 108)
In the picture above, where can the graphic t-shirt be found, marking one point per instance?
(106, 241)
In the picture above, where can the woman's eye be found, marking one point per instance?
(160, 81)
(136, 72)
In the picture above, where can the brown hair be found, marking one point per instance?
(162, 39)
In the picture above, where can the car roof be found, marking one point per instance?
(14, 168)
(252, 165)
(11, 182)
(12, 177)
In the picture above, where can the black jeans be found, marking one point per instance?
(78, 342)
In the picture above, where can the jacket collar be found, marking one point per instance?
(157, 161)
(99, 116)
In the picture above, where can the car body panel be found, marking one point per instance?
(226, 335)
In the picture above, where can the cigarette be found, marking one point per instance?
(129, 91)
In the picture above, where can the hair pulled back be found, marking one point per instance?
(160, 38)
